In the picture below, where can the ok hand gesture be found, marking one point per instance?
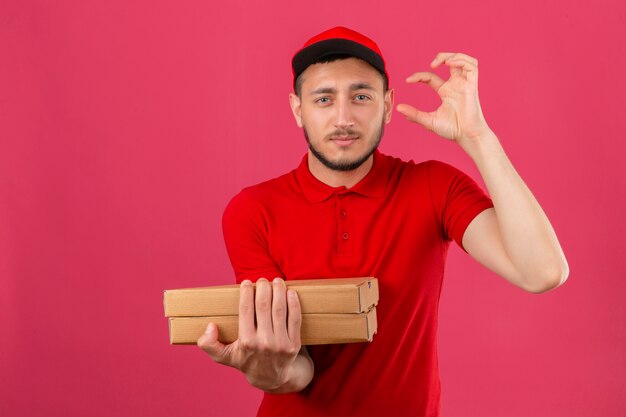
(459, 117)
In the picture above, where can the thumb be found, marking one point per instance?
(414, 115)
(209, 343)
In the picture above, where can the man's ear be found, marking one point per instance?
(389, 97)
(296, 108)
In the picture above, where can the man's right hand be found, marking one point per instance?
(270, 354)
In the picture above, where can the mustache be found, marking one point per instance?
(345, 132)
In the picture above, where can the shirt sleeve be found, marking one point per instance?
(457, 199)
(244, 227)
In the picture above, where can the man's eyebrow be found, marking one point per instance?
(324, 90)
(361, 86)
(353, 87)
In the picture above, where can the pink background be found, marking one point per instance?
(125, 128)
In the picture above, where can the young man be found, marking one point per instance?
(348, 210)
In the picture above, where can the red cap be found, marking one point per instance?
(338, 40)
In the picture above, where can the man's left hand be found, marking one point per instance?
(459, 117)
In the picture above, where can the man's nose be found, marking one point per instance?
(344, 116)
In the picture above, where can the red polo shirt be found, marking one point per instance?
(396, 224)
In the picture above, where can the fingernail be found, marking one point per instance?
(261, 280)
(209, 329)
(291, 293)
(246, 282)
(278, 280)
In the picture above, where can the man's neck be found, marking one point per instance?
(338, 178)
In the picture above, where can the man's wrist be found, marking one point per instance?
(481, 147)
(299, 376)
(266, 386)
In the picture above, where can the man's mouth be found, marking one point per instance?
(344, 140)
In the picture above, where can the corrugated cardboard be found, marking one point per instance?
(316, 329)
(336, 295)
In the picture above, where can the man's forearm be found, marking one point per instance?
(527, 235)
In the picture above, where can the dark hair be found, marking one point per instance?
(331, 58)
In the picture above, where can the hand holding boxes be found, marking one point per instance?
(337, 310)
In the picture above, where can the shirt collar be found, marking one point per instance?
(372, 185)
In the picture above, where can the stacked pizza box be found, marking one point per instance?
(335, 310)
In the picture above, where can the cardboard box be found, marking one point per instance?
(317, 329)
(336, 295)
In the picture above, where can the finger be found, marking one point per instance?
(246, 310)
(263, 308)
(466, 57)
(463, 63)
(209, 343)
(468, 69)
(411, 113)
(294, 317)
(429, 78)
(443, 56)
(279, 309)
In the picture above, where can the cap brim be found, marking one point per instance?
(312, 53)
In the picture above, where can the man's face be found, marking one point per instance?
(342, 110)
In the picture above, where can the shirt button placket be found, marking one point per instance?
(344, 234)
(343, 214)
(344, 238)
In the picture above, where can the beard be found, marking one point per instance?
(346, 165)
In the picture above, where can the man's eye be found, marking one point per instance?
(323, 100)
(361, 97)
